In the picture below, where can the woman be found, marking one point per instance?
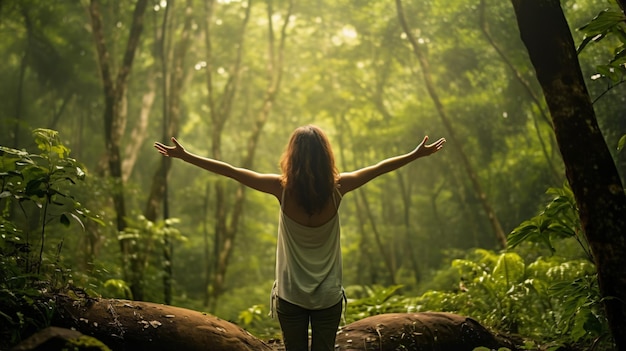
(308, 286)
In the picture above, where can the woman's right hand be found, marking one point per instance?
(176, 151)
(426, 150)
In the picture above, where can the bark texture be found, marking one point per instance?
(590, 168)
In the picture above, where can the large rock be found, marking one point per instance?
(135, 325)
(418, 331)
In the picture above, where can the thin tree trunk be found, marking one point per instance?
(493, 219)
(219, 113)
(138, 134)
(387, 259)
(173, 75)
(57, 113)
(589, 166)
(208, 262)
(170, 127)
(527, 88)
(364, 255)
(274, 72)
(114, 92)
(405, 194)
(378, 100)
(20, 84)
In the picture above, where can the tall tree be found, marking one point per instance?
(227, 222)
(434, 95)
(589, 166)
(114, 117)
(173, 74)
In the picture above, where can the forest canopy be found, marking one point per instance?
(88, 86)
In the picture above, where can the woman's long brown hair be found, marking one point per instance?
(308, 168)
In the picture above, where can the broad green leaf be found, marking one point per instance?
(509, 270)
(603, 22)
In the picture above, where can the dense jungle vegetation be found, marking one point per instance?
(489, 228)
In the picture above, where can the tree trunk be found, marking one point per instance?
(363, 261)
(387, 258)
(208, 262)
(20, 84)
(590, 169)
(173, 76)
(114, 93)
(226, 229)
(405, 194)
(219, 113)
(138, 134)
(493, 218)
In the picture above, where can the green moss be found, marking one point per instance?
(85, 343)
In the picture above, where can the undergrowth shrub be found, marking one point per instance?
(34, 197)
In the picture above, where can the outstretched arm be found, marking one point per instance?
(265, 182)
(352, 180)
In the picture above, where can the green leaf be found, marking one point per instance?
(16, 152)
(509, 269)
(77, 219)
(609, 72)
(584, 43)
(621, 143)
(45, 138)
(65, 220)
(33, 188)
(604, 21)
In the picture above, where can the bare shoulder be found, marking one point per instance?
(347, 182)
(272, 185)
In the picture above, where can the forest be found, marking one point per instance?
(518, 222)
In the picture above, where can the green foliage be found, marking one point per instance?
(40, 180)
(118, 287)
(609, 27)
(39, 186)
(621, 143)
(257, 320)
(376, 300)
(552, 300)
(609, 23)
(144, 239)
(85, 342)
(558, 220)
(23, 309)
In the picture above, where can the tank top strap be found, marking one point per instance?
(282, 199)
(336, 194)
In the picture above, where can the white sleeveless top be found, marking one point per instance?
(308, 263)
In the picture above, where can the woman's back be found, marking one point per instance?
(299, 215)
